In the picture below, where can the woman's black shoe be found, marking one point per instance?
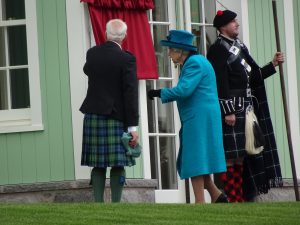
(222, 199)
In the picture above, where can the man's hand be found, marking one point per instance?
(153, 93)
(230, 120)
(134, 139)
(278, 58)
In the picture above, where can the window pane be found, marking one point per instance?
(201, 40)
(17, 47)
(168, 162)
(159, 33)
(165, 118)
(165, 111)
(160, 11)
(167, 158)
(2, 47)
(3, 90)
(210, 10)
(196, 11)
(13, 9)
(19, 87)
(153, 157)
(211, 36)
(151, 109)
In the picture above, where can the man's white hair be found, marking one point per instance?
(116, 30)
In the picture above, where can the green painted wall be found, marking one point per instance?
(263, 47)
(45, 156)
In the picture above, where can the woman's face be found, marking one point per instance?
(175, 55)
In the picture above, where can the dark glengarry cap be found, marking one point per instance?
(223, 17)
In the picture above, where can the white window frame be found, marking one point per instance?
(30, 119)
(163, 195)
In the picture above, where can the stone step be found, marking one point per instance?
(285, 193)
(135, 190)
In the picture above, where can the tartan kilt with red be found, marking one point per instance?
(101, 143)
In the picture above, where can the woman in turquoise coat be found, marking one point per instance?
(201, 150)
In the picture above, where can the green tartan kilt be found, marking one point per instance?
(101, 143)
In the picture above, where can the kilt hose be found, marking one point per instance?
(101, 143)
(261, 171)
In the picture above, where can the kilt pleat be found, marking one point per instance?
(101, 143)
(234, 136)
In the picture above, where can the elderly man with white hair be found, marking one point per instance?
(110, 108)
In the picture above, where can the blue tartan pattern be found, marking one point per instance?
(101, 143)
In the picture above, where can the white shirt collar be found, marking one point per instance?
(230, 39)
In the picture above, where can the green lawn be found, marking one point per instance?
(285, 213)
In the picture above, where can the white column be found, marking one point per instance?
(245, 23)
(144, 129)
(78, 42)
(292, 89)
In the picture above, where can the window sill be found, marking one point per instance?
(20, 128)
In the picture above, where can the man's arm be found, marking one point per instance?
(86, 68)
(269, 69)
(130, 90)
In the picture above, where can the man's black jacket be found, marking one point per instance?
(112, 83)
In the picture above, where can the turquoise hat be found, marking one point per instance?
(180, 39)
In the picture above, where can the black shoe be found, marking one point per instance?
(222, 199)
